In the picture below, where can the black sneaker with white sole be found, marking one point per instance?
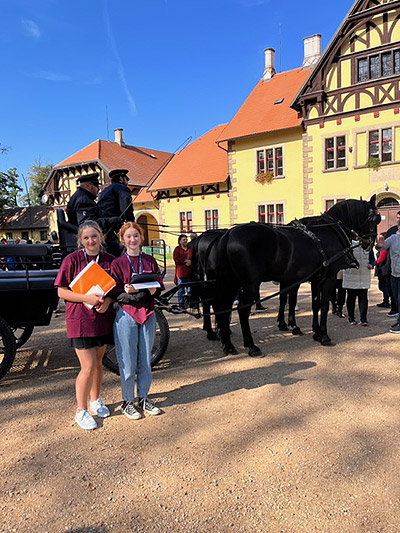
(148, 406)
(395, 328)
(130, 411)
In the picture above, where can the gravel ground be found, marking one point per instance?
(304, 439)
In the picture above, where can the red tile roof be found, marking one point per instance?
(36, 216)
(201, 162)
(260, 114)
(143, 196)
(142, 163)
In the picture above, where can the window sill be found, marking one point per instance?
(382, 165)
(328, 170)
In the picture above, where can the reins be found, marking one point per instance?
(178, 310)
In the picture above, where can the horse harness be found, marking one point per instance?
(326, 262)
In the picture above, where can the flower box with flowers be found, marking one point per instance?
(264, 177)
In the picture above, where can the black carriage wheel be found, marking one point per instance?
(159, 347)
(7, 347)
(21, 334)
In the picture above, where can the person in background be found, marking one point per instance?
(338, 296)
(135, 323)
(392, 244)
(183, 265)
(89, 330)
(394, 310)
(3, 260)
(382, 272)
(357, 281)
(116, 201)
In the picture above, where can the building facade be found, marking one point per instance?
(350, 108)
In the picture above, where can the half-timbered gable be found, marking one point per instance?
(143, 165)
(360, 68)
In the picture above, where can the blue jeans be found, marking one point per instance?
(181, 292)
(133, 345)
(396, 294)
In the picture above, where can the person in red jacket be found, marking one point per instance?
(183, 265)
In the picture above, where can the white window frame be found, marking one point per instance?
(380, 143)
(267, 212)
(273, 148)
(213, 224)
(335, 152)
(187, 228)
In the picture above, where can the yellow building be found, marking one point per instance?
(265, 149)
(350, 107)
(193, 190)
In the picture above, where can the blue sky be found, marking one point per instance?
(165, 69)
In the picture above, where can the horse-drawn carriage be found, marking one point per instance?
(224, 263)
(28, 299)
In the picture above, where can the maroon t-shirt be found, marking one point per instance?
(121, 271)
(81, 321)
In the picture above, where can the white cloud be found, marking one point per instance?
(48, 75)
(120, 67)
(31, 28)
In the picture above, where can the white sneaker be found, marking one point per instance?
(85, 420)
(98, 408)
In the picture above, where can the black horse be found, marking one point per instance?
(316, 250)
(204, 267)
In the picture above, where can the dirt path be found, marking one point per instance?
(305, 439)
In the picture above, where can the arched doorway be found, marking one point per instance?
(388, 205)
(389, 201)
(150, 227)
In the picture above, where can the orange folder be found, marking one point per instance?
(91, 279)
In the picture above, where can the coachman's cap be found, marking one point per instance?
(89, 178)
(118, 172)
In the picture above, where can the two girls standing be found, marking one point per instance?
(90, 330)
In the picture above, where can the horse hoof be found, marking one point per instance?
(327, 342)
(212, 336)
(255, 351)
(297, 331)
(230, 350)
(283, 327)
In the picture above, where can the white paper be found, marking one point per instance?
(95, 289)
(146, 285)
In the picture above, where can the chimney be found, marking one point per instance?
(312, 50)
(118, 136)
(269, 64)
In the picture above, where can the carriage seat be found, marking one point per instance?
(67, 232)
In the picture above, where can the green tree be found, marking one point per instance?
(9, 188)
(37, 176)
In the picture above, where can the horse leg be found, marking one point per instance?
(325, 294)
(247, 297)
(223, 302)
(316, 305)
(207, 326)
(282, 326)
(292, 311)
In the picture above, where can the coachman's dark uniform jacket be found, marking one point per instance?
(82, 207)
(115, 200)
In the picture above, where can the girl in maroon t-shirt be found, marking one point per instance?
(135, 322)
(89, 330)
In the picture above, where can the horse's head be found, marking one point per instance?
(369, 233)
(358, 216)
